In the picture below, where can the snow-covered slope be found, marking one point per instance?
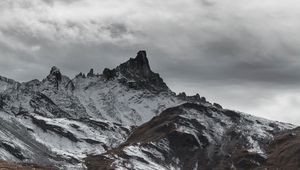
(193, 136)
(60, 120)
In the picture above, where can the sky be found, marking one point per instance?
(242, 54)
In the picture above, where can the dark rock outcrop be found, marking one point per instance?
(109, 74)
(139, 72)
(217, 105)
(91, 73)
(12, 149)
(55, 76)
(195, 98)
(191, 136)
(80, 75)
(56, 129)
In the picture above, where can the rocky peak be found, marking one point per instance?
(80, 75)
(195, 98)
(91, 73)
(55, 76)
(138, 69)
(138, 66)
(109, 74)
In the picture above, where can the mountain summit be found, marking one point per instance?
(137, 74)
(137, 67)
(128, 118)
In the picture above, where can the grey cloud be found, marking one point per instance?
(240, 53)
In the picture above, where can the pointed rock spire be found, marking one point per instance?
(109, 74)
(138, 69)
(91, 73)
(55, 76)
(142, 62)
(138, 66)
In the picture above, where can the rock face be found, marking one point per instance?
(59, 121)
(55, 76)
(12, 166)
(91, 73)
(283, 152)
(194, 136)
(109, 74)
(138, 72)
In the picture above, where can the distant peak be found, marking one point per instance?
(142, 59)
(138, 69)
(55, 76)
(54, 70)
(137, 66)
(91, 73)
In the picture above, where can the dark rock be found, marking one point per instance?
(22, 111)
(233, 115)
(2, 101)
(133, 85)
(56, 129)
(249, 160)
(109, 74)
(55, 76)
(91, 73)
(91, 141)
(122, 80)
(80, 75)
(182, 95)
(138, 69)
(13, 150)
(183, 141)
(217, 106)
(195, 98)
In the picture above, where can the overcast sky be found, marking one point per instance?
(242, 54)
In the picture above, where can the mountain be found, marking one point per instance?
(126, 117)
(194, 136)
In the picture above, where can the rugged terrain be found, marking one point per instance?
(22, 166)
(198, 136)
(128, 118)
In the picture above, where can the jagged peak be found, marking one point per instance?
(54, 70)
(142, 59)
(81, 75)
(196, 97)
(55, 74)
(138, 69)
(138, 65)
(91, 73)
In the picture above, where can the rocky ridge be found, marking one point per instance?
(126, 117)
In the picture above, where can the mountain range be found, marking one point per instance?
(128, 118)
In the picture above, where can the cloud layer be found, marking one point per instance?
(242, 54)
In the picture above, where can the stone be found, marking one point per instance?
(91, 73)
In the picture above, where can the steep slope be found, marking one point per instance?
(12, 166)
(194, 136)
(60, 120)
(284, 151)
